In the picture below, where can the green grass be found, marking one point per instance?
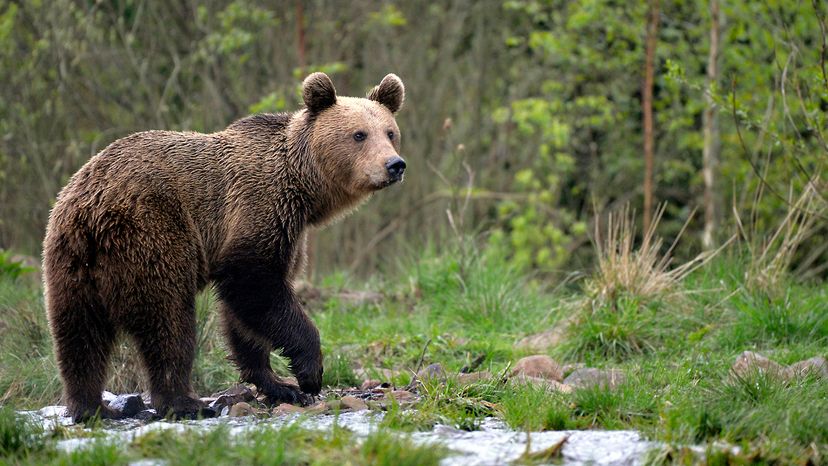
(466, 308)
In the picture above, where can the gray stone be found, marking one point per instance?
(590, 377)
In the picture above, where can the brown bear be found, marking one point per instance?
(158, 215)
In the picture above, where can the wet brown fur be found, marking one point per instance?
(157, 216)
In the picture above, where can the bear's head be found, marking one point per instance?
(355, 141)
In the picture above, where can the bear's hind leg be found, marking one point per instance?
(253, 361)
(83, 339)
(166, 341)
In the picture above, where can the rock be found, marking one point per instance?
(353, 403)
(539, 365)
(548, 384)
(147, 415)
(570, 368)
(53, 411)
(473, 377)
(432, 372)
(108, 397)
(318, 408)
(816, 366)
(401, 397)
(128, 405)
(290, 381)
(749, 362)
(285, 409)
(541, 341)
(231, 396)
(241, 409)
(588, 377)
(370, 384)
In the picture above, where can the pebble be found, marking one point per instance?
(539, 365)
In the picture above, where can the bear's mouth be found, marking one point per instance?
(388, 182)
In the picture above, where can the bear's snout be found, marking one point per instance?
(396, 167)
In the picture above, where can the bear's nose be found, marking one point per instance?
(395, 166)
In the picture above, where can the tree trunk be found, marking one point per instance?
(647, 110)
(310, 240)
(710, 153)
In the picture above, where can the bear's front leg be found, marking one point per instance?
(262, 313)
(251, 354)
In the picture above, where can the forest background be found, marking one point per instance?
(525, 121)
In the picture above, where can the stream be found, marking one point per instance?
(493, 444)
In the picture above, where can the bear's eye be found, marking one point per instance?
(360, 136)
(391, 135)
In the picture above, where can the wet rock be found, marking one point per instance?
(473, 377)
(147, 415)
(53, 411)
(539, 365)
(353, 403)
(231, 396)
(241, 409)
(749, 363)
(128, 405)
(588, 377)
(547, 384)
(285, 409)
(816, 366)
(432, 372)
(370, 384)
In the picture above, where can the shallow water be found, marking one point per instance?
(493, 444)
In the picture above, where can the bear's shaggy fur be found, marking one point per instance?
(156, 216)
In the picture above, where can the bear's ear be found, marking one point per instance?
(390, 93)
(318, 92)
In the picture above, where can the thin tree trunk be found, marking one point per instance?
(310, 239)
(710, 153)
(647, 103)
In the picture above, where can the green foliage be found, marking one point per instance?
(19, 435)
(11, 267)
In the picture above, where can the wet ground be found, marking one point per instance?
(493, 444)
